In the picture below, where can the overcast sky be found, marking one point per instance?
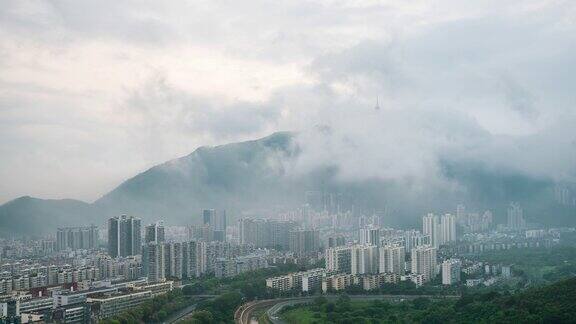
(93, 92)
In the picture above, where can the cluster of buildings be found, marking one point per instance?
(23, 276)
(278, 234)
(76, 304)
(77, 238)
(213, 228)
(71, 278)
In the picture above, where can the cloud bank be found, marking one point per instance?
(93, 92)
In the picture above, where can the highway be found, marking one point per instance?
(243, 314)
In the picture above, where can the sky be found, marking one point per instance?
(94, 92)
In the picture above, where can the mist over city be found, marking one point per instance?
(287, 162)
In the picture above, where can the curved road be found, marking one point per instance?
(186, 311)
(243, 314)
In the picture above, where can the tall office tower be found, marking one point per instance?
(124, 236)
(339, 259)
(364, 259)
(448, 228)
(173, 257)
(392, 259)
(77, 238)
(424, 261)
(370, 235)
(153, 261)
(451, 271)
(155, 233)
(516, 217)
(190, 259)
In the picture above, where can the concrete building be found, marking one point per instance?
(448, 228)
(431, 227)
(369, 235)
(516, 217)
(217, 222)
(154, 262)
(339, 259)
(304, 241)
(124, 236)
(77, 238)
(392, 259)
(173, 260)
(424, 262)
(266, 233)
(451, 269)
(364, 259)
(155, 233)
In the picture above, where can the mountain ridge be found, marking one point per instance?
(243, 177)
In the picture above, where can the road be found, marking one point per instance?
(186, 311)
(243, 314)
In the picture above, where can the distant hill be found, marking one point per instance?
(33, 216)
(257, 177)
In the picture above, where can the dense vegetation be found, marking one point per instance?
(551, 304)
(544, 265)
(155, 310)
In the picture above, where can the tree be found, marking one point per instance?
(201, 317)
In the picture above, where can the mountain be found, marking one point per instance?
(33, 216)
(260, 177)
(233, 176)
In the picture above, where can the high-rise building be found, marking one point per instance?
(303, 241)
(424, 261)
(364, 259)
(154, 262)
(338, 259)
(336, 240)
(448, 228)
(208, 216)
(217, 222)
(124, 236)
(392, 259)
(155, 233)
(189, 259)
(173, 257)
(431, 227)
(413, 238)
(516, 217)
(77, 238)
(370, 234)
(451, 271)
(269, 233)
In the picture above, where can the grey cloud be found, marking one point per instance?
(482, 85)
